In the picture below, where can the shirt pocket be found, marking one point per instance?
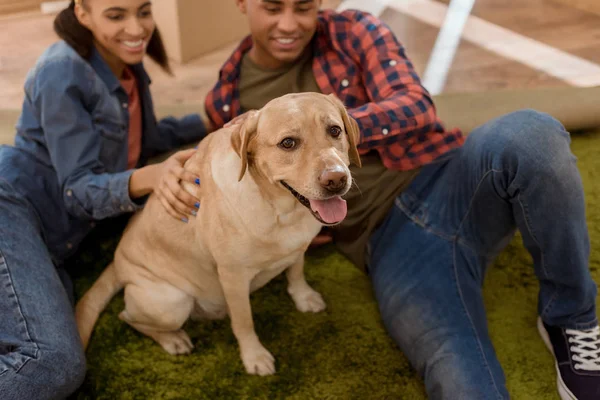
(113, 142)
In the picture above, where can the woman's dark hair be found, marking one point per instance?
(80, 38)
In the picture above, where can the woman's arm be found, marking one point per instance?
(165, 179)
(174, 132)
(74, 145)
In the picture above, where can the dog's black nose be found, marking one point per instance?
(333, 180)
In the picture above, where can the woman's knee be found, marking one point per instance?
(72, 364)
(52, 372)
(69, 354)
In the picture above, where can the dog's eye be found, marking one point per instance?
(287, 144)
(335, 131)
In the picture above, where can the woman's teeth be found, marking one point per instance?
(133, 45)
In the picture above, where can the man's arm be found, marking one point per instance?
(400, 121)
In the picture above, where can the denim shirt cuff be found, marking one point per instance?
(192, 126)
(119, 189)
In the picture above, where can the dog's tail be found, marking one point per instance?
(94, 301)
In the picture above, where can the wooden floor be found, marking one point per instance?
(474, 68)
(570, 37)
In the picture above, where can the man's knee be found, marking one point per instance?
(533, 119)
(527, 130)
(527, 141)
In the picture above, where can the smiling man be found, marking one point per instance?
(431, 209)
(278, 42)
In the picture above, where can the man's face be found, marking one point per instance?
(281, 29)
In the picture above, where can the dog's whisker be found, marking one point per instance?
(355, 185)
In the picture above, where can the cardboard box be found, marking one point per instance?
(18, 6)
(191, 28)
(592, 6)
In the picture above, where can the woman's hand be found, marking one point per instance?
(178, 202)
(165, 179)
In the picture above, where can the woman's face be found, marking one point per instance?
(121, 29)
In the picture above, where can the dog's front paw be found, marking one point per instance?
(309, 300)
(258, 361)
(174, 343)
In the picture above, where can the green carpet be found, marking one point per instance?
(342, 353)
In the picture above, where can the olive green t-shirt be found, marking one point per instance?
(376, 187)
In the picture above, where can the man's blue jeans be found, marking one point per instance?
(429, 257)
(41, 356)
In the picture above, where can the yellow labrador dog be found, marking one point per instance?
(268, 186)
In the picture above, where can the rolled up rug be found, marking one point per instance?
(577, 108)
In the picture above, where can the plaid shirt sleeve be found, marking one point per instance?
(222, 103)
(400, 120)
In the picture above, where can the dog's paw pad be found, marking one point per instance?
(259, 362)
(311, 301)
(175, 343)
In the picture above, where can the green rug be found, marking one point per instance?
(342, 353)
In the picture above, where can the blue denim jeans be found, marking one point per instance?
(41, 356)
(429, 257)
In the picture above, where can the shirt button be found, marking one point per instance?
(385, 131)
(393, 62)
(226, 108)
(69, 246)
(130, 208)
(122, 208)
(345, 83)
(125, 105)
(69, 193)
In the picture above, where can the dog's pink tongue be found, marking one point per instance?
(331, 210)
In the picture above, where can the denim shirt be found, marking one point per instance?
(70, 155)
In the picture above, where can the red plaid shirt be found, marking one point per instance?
(357, 57)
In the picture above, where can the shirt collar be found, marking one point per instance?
(109, 78)
(103, 70)
(231, 68)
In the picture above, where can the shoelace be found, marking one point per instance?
(585, 346)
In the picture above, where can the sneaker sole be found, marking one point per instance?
(563, 391)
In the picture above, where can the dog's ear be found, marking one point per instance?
(352, 130)
(241, 136)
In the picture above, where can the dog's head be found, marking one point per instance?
(303, 143)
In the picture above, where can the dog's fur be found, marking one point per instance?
(249, 228)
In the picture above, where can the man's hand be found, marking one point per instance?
(324, 237)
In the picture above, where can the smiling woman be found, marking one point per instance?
(86, 130)
(122, 33)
